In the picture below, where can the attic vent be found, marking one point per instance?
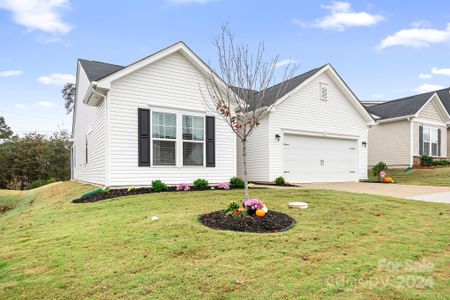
(323, 91)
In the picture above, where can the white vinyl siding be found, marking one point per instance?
(390, 143)
(170, 83)
(89, 124)
(303, 111)
(257, 153)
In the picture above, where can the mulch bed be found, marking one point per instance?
(273, 221)
(115, 193)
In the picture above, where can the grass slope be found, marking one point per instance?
(55, 249)
(438, 177)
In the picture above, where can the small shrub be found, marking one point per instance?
(201, 183)
(237, 182)
(280, 181)
(183, 187)
(426, 161)
(105, 190)
(131, 189)
(158, 186)
(381, 166)
(223, 186)
(441, 163)
(232, 207)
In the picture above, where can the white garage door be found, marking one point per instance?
(319, 159)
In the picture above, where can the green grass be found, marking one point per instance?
(55, 249)
(437, 177)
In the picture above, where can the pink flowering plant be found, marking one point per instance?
(183, 187)
(253, 204)
(223, 186)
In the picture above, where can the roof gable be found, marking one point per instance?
(96, 70)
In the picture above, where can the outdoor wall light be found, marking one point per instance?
(277, 136)
(364, 144)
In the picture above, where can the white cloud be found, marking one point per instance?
(190, 1)
(425, 76)
(400, 90)
(56, 79)
(21, 106)
(416, 37)
(286, 62)
(11, 73)
(46, 104)
(441, 71)
(43, 15)
(424, 88)
(342, 16)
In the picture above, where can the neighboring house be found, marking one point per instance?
(368, 103)
(316, 131)
(148, 121)
(409, 128)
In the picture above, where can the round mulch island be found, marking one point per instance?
(273, 221)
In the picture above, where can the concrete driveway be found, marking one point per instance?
(438, 194)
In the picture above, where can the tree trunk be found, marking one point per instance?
(244, 156)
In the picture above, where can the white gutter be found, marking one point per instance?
(409, 118)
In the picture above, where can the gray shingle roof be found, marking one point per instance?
(407, 106)
(444, 95)
(275, 92)
(96, 70)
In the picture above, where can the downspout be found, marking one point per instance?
(411, 140)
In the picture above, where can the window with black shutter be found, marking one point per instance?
(210, 141)
(144, 137)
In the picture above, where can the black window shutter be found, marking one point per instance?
(210, 141)
(144, 137)
(420, 140)
(439, 142)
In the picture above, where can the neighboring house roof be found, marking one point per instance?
(444, 95)
(408, 106)
(368, 103)
(96, 70)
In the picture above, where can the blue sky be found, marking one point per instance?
(381, 49)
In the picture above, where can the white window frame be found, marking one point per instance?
(179, 137)
(322, 86)
(194, 141)
(430, 142)
(163, 139)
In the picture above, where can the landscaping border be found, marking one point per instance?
(272, 222)
(116, 193)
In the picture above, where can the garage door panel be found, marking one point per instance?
(319, 159)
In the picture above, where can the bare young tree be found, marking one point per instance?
(241, 90)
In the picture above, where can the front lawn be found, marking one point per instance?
(344, 245)
(438, 177)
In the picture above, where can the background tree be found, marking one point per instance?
(5, 130)
(68, 93)
(242, 100)
(34, 160)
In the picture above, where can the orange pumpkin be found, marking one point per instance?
(260, 213)
(388, 180)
